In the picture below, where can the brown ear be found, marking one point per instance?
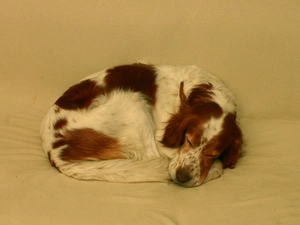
(175, 130)
(177, 125)
(232, 152)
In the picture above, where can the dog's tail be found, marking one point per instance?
(119, 170)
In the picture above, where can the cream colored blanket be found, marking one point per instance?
(46, 46)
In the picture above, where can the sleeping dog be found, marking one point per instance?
(144, 123)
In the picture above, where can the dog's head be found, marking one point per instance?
(202, 132)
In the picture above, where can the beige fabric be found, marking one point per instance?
(45, 46)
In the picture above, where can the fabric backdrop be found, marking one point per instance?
(46, 46)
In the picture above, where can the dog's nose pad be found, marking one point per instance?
(183, 175)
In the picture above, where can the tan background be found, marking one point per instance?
(47, 45)
(253, 45)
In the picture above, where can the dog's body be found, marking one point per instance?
(138, 123)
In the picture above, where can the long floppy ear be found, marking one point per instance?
(177, 125)
(175, 130)
(227, 144)
(232, 152)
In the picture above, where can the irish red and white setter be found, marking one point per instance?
(141, 123)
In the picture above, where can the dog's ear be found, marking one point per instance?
(175, 130)
(227, 144)
(232, 152)
(177, 125)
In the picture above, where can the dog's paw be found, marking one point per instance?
(216, 170)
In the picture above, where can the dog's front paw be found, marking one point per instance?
(216, 170)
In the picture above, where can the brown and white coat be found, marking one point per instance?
(140, 123)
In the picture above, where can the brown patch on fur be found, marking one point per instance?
(79, 96)
(200, 94)
(60, 124)
(234, 137)
(189, 120)
(88, 144)
(205, 164)
(136, 77)
(194, 112)
(60, 142)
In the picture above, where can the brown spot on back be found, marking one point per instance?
(60, 124)
(88, 144)
(79, 96)
(136, 77)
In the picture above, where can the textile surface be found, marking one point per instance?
(46, 46)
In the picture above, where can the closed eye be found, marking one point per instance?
(189, 142)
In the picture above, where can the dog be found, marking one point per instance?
(144, 123)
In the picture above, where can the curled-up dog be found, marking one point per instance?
(144, 123)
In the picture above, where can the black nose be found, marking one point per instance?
(183, 175)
